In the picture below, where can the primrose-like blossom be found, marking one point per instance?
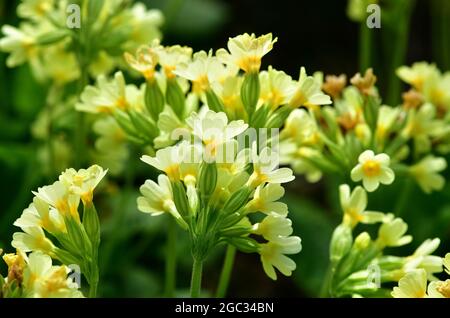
(246, 51)
(372, 170)
(37, 277)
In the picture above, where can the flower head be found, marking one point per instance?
(265, 200)
(308, 92)
(273, 255)
(144, 62)
(276, 87)
(412, 285)
(426, 173)
(41, 279)
(105, 97)
(372, 170)
(273, 226)
(171, 57)
(202, 71)
(84, 181)
(265, 168)
(391, 233)
(21, 43)
(246, 51)
(354, 206)
(33, 239)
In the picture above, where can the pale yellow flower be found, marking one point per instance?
(246, 51)
(372, 170)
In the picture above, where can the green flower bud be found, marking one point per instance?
(362, 241)
(235, 231)
(180, 199)
(91, 224)
(65, 257)
(207, 179)
(146, 129)
(51, 37)
(260, 116)
(237, 200)
(78, 237)
(329, 115)
(341, 242)
(370, 111)
(250, 91)
(175, 97)
(154, 99)
(244, 244)
(125, 123)
(277, 119)
(214, 103)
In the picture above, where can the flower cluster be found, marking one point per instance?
(180, 82)
(50, 29)
(34, 276)
(415, 284)
(220, 193)
(361, 266)
(360, 137)
(53, 225)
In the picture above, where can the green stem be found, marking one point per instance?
(365, 47)
(80, 134)
(171, 258)
(225, 275)
(94, 281)
(50, 148)
(196, 278)
(325, 289)
(399, 42)
(405, 194)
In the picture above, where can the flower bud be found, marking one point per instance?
(278, 118)
(362, 241)
(175, 97)
(341, 242)
(154, 99)
(245, 244)
(250, 91)
(51, 37)
(237, 200)
(214, 103)
(125, 123)
(207, 179)
(91, 224)
(146, 128)
(260, 116)
(180, 199)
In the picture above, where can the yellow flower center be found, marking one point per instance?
(371, 168)
(250, 64)
(121, 103)
(257, 178)
(168, 70)
(173, 172)
(201, 84)
(298, 100)
(56, 282)
(444, 288)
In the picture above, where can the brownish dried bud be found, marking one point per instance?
(334, 85)
(412, 99)
(365, 84)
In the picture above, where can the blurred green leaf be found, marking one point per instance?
(27, 95)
